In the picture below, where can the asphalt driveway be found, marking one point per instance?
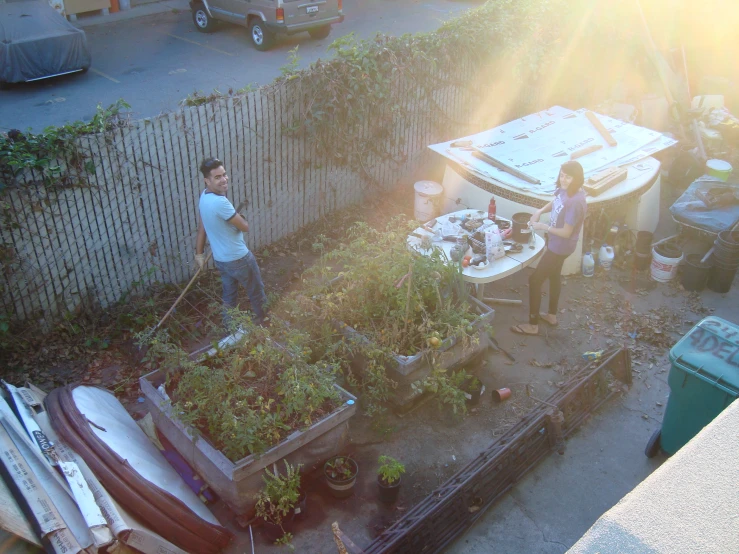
(154, 61)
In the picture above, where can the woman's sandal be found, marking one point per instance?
(544, 320)
(517, 329)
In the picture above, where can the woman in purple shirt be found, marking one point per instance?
(568, 213)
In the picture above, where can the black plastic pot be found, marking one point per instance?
(725, 264)
(341, 488)
(694, 273)
(521, 229)
(720, 279)
(300, 508)
(388, 493)
(642, 261)
(474, 392)
(273, 532)
(644, 242)
(728, 240)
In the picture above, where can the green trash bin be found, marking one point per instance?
(703, 379)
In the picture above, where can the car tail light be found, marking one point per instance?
(341, 4)
(281, 14)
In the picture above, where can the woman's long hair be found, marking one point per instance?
(574, 169)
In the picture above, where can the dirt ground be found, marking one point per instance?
(620, 307)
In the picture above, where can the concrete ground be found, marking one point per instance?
(153, 57)
(556, 503)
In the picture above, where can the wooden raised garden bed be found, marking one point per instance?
(237, 482)
(452, 353)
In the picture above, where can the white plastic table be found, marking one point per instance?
(510, 264)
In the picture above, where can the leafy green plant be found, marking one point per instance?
(278, 497)
(251, 396)
(390, 469)
(55, 155)
(372, 298)
(340, 468)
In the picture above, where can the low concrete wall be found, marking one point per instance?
(689, 505)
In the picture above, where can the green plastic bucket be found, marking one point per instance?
(719, 169)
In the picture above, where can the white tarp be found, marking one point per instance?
(540, 143)
(112, 424)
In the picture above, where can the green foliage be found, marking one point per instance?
(340, 468)
(449, 389)
(390, 469)
(387, 300)
(290, 69)
(54, 155)
(278, 496)
(250, 397)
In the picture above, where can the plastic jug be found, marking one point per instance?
(605, 257)
(494, 249)
(588, 265)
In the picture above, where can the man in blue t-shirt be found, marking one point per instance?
(225, 230)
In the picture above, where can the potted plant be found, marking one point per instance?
(473, 390)
(388, 478)
(341, 475)
(276, 503)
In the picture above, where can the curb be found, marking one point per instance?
(143, 10)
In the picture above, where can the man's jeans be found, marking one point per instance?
(246, 272)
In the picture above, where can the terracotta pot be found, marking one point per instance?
(500, 395)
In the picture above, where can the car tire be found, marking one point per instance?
(260, 36)
(320, 32)
(202, 20)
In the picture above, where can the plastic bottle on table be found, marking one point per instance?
(588, 265)
(491, 209)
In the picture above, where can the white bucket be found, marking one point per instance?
(664, 269)
(427, 200)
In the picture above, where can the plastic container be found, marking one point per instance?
(588, 265)
(719, 169)
(521, 228)
(694, 274)
(663, 268)
(720, 279)
(642, 261)
(644, 242)
(428, 194)
(703, 380)
(728, 240)
(494, 249)
(605, 257)
(492, 210)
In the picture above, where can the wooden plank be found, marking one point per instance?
(12, 519)
(604, 180)
(601, 128)
(344, 543)
(505, 167)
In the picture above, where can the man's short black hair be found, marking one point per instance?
(208, 165)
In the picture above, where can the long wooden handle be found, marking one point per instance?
(240, 207)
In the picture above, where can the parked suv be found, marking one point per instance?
(267, 18)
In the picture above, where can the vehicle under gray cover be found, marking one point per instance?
(37, 42)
